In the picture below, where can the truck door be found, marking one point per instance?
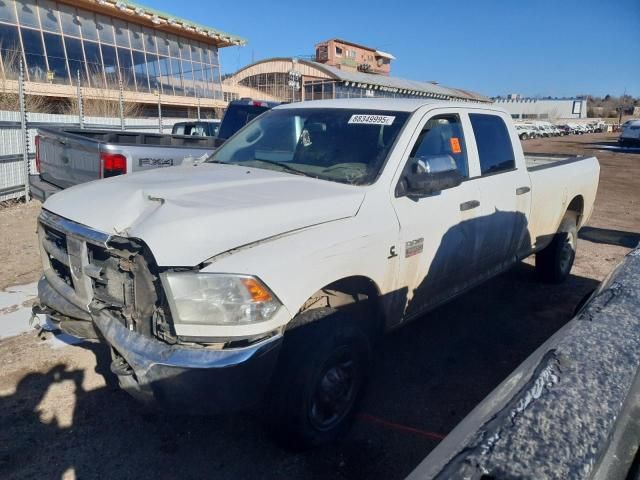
(504, 190)
(438, 238)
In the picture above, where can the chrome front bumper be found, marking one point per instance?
(187, 379)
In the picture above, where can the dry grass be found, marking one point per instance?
(10, 100)
(103, 107)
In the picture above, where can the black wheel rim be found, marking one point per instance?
(335, 391)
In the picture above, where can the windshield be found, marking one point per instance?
(341, 145)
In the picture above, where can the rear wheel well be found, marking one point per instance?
(357, 295)
(577, 206)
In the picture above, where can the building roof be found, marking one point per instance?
(164, 20)
(356, 79)
(380, 53)
(371, 80)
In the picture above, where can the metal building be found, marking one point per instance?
(543, 109)
(315, 81)
(108, 43)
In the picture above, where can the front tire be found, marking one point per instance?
(554, 262)
(320, 377)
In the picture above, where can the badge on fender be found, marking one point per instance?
(413, 247)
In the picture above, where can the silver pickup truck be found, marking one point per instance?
(70, 156)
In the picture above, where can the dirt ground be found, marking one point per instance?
(18, 243)
(61, 415)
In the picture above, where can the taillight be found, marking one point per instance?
(112, 164)
(37, 142)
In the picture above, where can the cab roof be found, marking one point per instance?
(395, 104)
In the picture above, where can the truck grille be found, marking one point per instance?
(96, 271)
(74, 258)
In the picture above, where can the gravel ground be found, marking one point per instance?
(62, 417)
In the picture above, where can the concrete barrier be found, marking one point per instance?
(570, 411)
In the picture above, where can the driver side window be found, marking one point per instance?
(442, 138)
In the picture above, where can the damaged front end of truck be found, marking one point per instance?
(109, 288)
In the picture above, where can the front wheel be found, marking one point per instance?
(320, 376)
(554, 262)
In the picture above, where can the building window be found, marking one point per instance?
(56, 57)
(126, 69)
(87, 24)
(140, 71)
(49, 16)
(110, 63)
(149, 41)
(154, 72)
(27, 13)
(94, 63)
(7, 11)
(76, 58)
(122, 33)
(176, 77)
(34, 53)
(105, 29)
(165, 76)
(70, 24)
(136, 37)
(338, 51)
(163, 44)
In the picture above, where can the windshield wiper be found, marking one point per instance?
(283, 165)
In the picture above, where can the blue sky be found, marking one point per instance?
(531, 47)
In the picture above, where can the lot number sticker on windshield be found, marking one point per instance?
(372, 119)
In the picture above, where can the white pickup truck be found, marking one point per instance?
(264, 275)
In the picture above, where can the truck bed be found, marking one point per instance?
(140, 139)
(70, 156)
(538, 161)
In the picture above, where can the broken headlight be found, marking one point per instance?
(218, 299)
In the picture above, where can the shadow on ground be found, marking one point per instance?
(610, 237)
(426, 378)
(613, 145)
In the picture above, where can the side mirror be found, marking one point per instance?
(429, 175)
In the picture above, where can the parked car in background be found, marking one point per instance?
(630, 134)
(525, 131)
(267, 273)
(201, 128)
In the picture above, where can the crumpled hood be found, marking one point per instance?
(188, 214)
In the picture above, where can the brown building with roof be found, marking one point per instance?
(353, 57)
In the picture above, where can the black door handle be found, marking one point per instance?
(522, 190)
(470, 205)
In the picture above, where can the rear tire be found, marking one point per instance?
(554, 262)
(318, 382)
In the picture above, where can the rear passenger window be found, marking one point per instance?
(442, 136)
(494, 144)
